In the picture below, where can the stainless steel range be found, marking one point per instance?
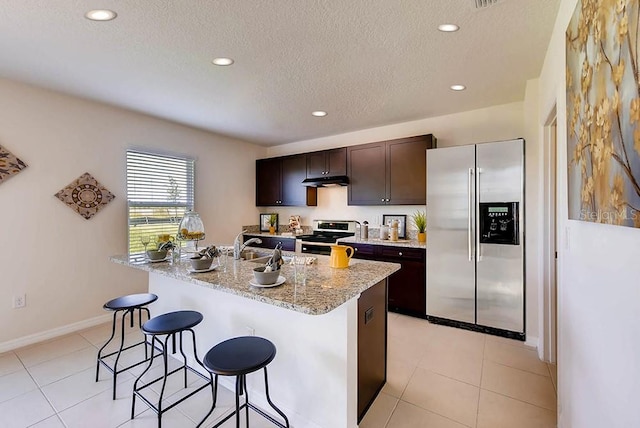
(325, 233)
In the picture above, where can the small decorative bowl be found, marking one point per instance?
(265, 278)
(156, 255)
(201, 263)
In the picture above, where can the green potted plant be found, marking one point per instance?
(420, 221)
(273, 223)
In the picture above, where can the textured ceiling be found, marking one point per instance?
(366, 62)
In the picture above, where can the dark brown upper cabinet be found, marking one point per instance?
(327, 163)
(389, 172)
(279, 182)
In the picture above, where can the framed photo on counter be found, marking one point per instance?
(402, 223)
(266, 220)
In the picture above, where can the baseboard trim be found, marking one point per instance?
(532, 341)
(31, 339)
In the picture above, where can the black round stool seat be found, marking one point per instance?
(239, 356)
(172, 322)
(131, 301)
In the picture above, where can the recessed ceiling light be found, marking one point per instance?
(458, 87)
(319, 113)
(448, 28)
(222, 61)
(101, 15)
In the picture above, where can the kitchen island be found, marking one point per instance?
(330, 333)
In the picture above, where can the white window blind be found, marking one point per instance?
(160, 190)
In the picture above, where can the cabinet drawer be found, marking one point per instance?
(400, 253)
(362, 251)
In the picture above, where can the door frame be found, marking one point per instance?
(548, 294)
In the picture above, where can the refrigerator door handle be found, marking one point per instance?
(469, 215)
(478, 246)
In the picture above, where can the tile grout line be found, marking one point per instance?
(39, 388)
(554, 382)
(484, 349)
(521, 370)
(517, 399)
(395, 406)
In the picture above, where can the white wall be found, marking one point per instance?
(59, 259)
(494, 123)
(598, 295)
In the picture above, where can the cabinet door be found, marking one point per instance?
(372, 345)
(367, 175)
(407, 287)
(294, 171)
(407, 291)
(407, 170)
(316, 164)
(268, 182)
(336, 162)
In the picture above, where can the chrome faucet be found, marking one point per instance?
(238, 245)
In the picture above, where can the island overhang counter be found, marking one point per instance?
(330, 333)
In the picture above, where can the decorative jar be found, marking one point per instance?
(191, 227)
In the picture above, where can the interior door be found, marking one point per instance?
(450, 233)
(500, 268)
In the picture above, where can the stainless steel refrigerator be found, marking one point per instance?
(475, 237)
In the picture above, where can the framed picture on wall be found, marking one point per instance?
(402, 223)
(267, 221)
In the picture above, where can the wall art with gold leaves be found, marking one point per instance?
(85, 195)
(10, 165)
(603, 112)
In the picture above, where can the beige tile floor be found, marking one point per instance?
(441, 377)
(438, 377)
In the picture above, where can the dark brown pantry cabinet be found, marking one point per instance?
(327, 163)
(389, 172)
(407, 287)
(279, 182)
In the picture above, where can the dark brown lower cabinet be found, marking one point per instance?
(372, 345)
(407, 287)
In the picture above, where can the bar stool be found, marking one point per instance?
(127, 305)
(168, 325)
(238, 357)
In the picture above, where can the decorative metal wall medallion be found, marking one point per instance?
(85, 195)
(10, 165)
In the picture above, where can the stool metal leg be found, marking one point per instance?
(246, 397)
(280, 412)
(115, 365)
(113, 332)
(214, 397)
(184, 357)
(135, 384)
(165, 357)
(146, 348)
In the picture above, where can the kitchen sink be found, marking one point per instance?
(265, 259)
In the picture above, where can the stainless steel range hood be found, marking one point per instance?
(336, 180)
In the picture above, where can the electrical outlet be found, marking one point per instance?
(251, 331)
(19, 301)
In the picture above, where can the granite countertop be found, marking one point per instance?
(410, 243)
(325, 290)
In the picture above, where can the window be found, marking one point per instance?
(160, 190)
